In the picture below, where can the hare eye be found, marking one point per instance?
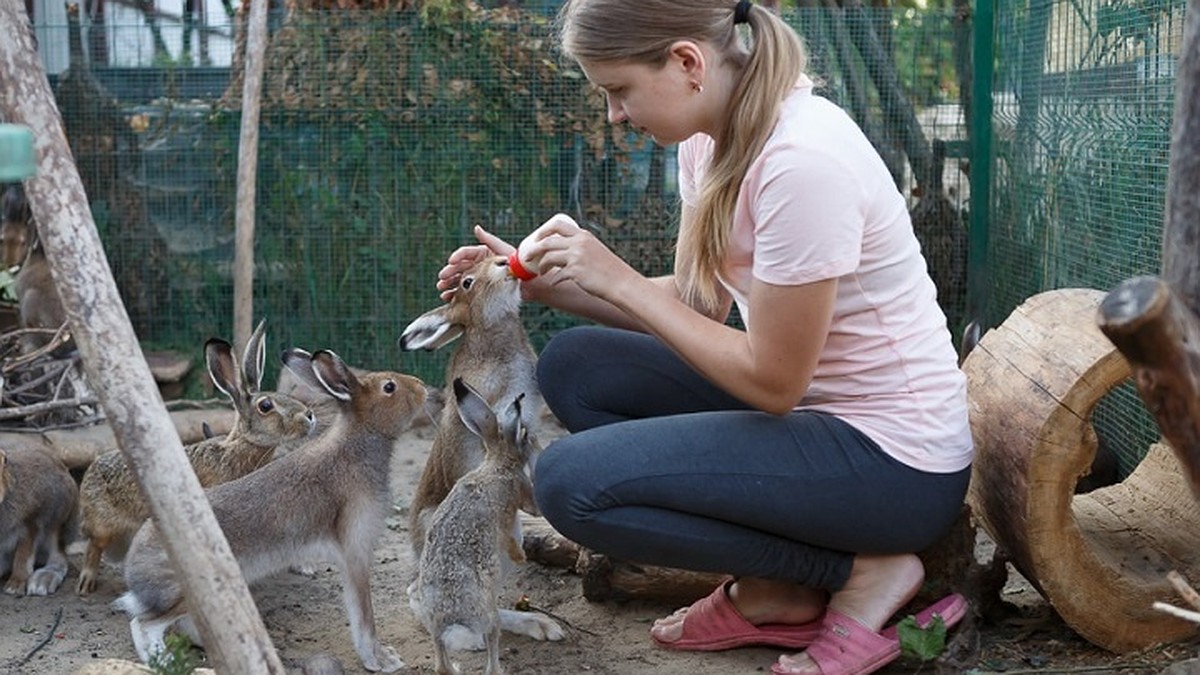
(467, 283)
(389, 387)
(265, 405)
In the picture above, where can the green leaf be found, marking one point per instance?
(923, 643)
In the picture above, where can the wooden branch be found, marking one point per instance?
(247, 172)
(1184, 588)
(60, 337)
(1181, 231)
(15, 412)
(217, 594)
(1159, 336)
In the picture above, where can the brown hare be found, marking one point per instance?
(112, 507)
(494, 354)
(37, 511)
(470, 537)
(326, 500)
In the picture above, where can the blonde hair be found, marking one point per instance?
(771, 62)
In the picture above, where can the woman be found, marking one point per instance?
(810, 455)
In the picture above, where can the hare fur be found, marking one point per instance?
(471, 534)
(327, 500)
(37, 512)
(112, 507)
(493, 354)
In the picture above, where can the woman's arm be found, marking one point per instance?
(769, 365)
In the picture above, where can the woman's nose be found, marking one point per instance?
(616, 112)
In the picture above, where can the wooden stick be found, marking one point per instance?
(1184, 588)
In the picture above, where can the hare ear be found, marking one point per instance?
(299, 363)
(474, 410)
(254, 358)
(430, 331)
(516, 425)
(218, 354)
(4, 476)
(334, 375)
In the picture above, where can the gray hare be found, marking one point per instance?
(111, 502)
(37, 512)
(470, 536)
(493, 354)
(326, 500)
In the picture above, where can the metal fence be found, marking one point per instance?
(385, 136)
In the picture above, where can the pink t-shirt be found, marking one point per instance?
(819, 203)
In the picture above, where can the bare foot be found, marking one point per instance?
(877, 588)
(759, 601)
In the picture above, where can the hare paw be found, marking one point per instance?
(44, 581)
(14, 586)
(386, 660)
(87, 582)
(531, 624)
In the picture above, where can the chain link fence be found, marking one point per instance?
(387, 135)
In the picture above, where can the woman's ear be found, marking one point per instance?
(688, 56)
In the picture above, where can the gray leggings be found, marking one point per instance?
(661, 467)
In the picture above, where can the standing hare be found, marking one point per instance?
(111, 502)
(37, 512)
(495, 356)
(326, 500)
(470, 535)
(38, 301)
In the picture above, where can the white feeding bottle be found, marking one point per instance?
(518, 261)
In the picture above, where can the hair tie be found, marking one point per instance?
(741, 12)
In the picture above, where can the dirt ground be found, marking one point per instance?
(304, 616)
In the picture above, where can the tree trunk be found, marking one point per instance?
(218, 596)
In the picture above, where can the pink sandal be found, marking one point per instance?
(712, 624)
(846, 647)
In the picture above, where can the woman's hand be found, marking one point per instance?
(465, 257)
(562, 251)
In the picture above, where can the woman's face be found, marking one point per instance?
(654, 100)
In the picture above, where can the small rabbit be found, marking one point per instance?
(37, 513)
(470, 534)
(111, 502)
(326, 500)
(495, 355)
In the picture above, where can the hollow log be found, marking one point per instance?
(1100, 558)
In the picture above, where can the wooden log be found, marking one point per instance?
(543, 544)
(1101, 558)
(78, 447)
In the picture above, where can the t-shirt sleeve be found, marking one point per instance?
(806, 206)
(690, 154)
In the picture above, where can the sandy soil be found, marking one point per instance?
(61, 633)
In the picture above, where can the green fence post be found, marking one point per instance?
(16, 153)
(978, 275)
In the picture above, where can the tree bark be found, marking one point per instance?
(217, 594)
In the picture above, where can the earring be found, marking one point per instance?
(697, 87)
